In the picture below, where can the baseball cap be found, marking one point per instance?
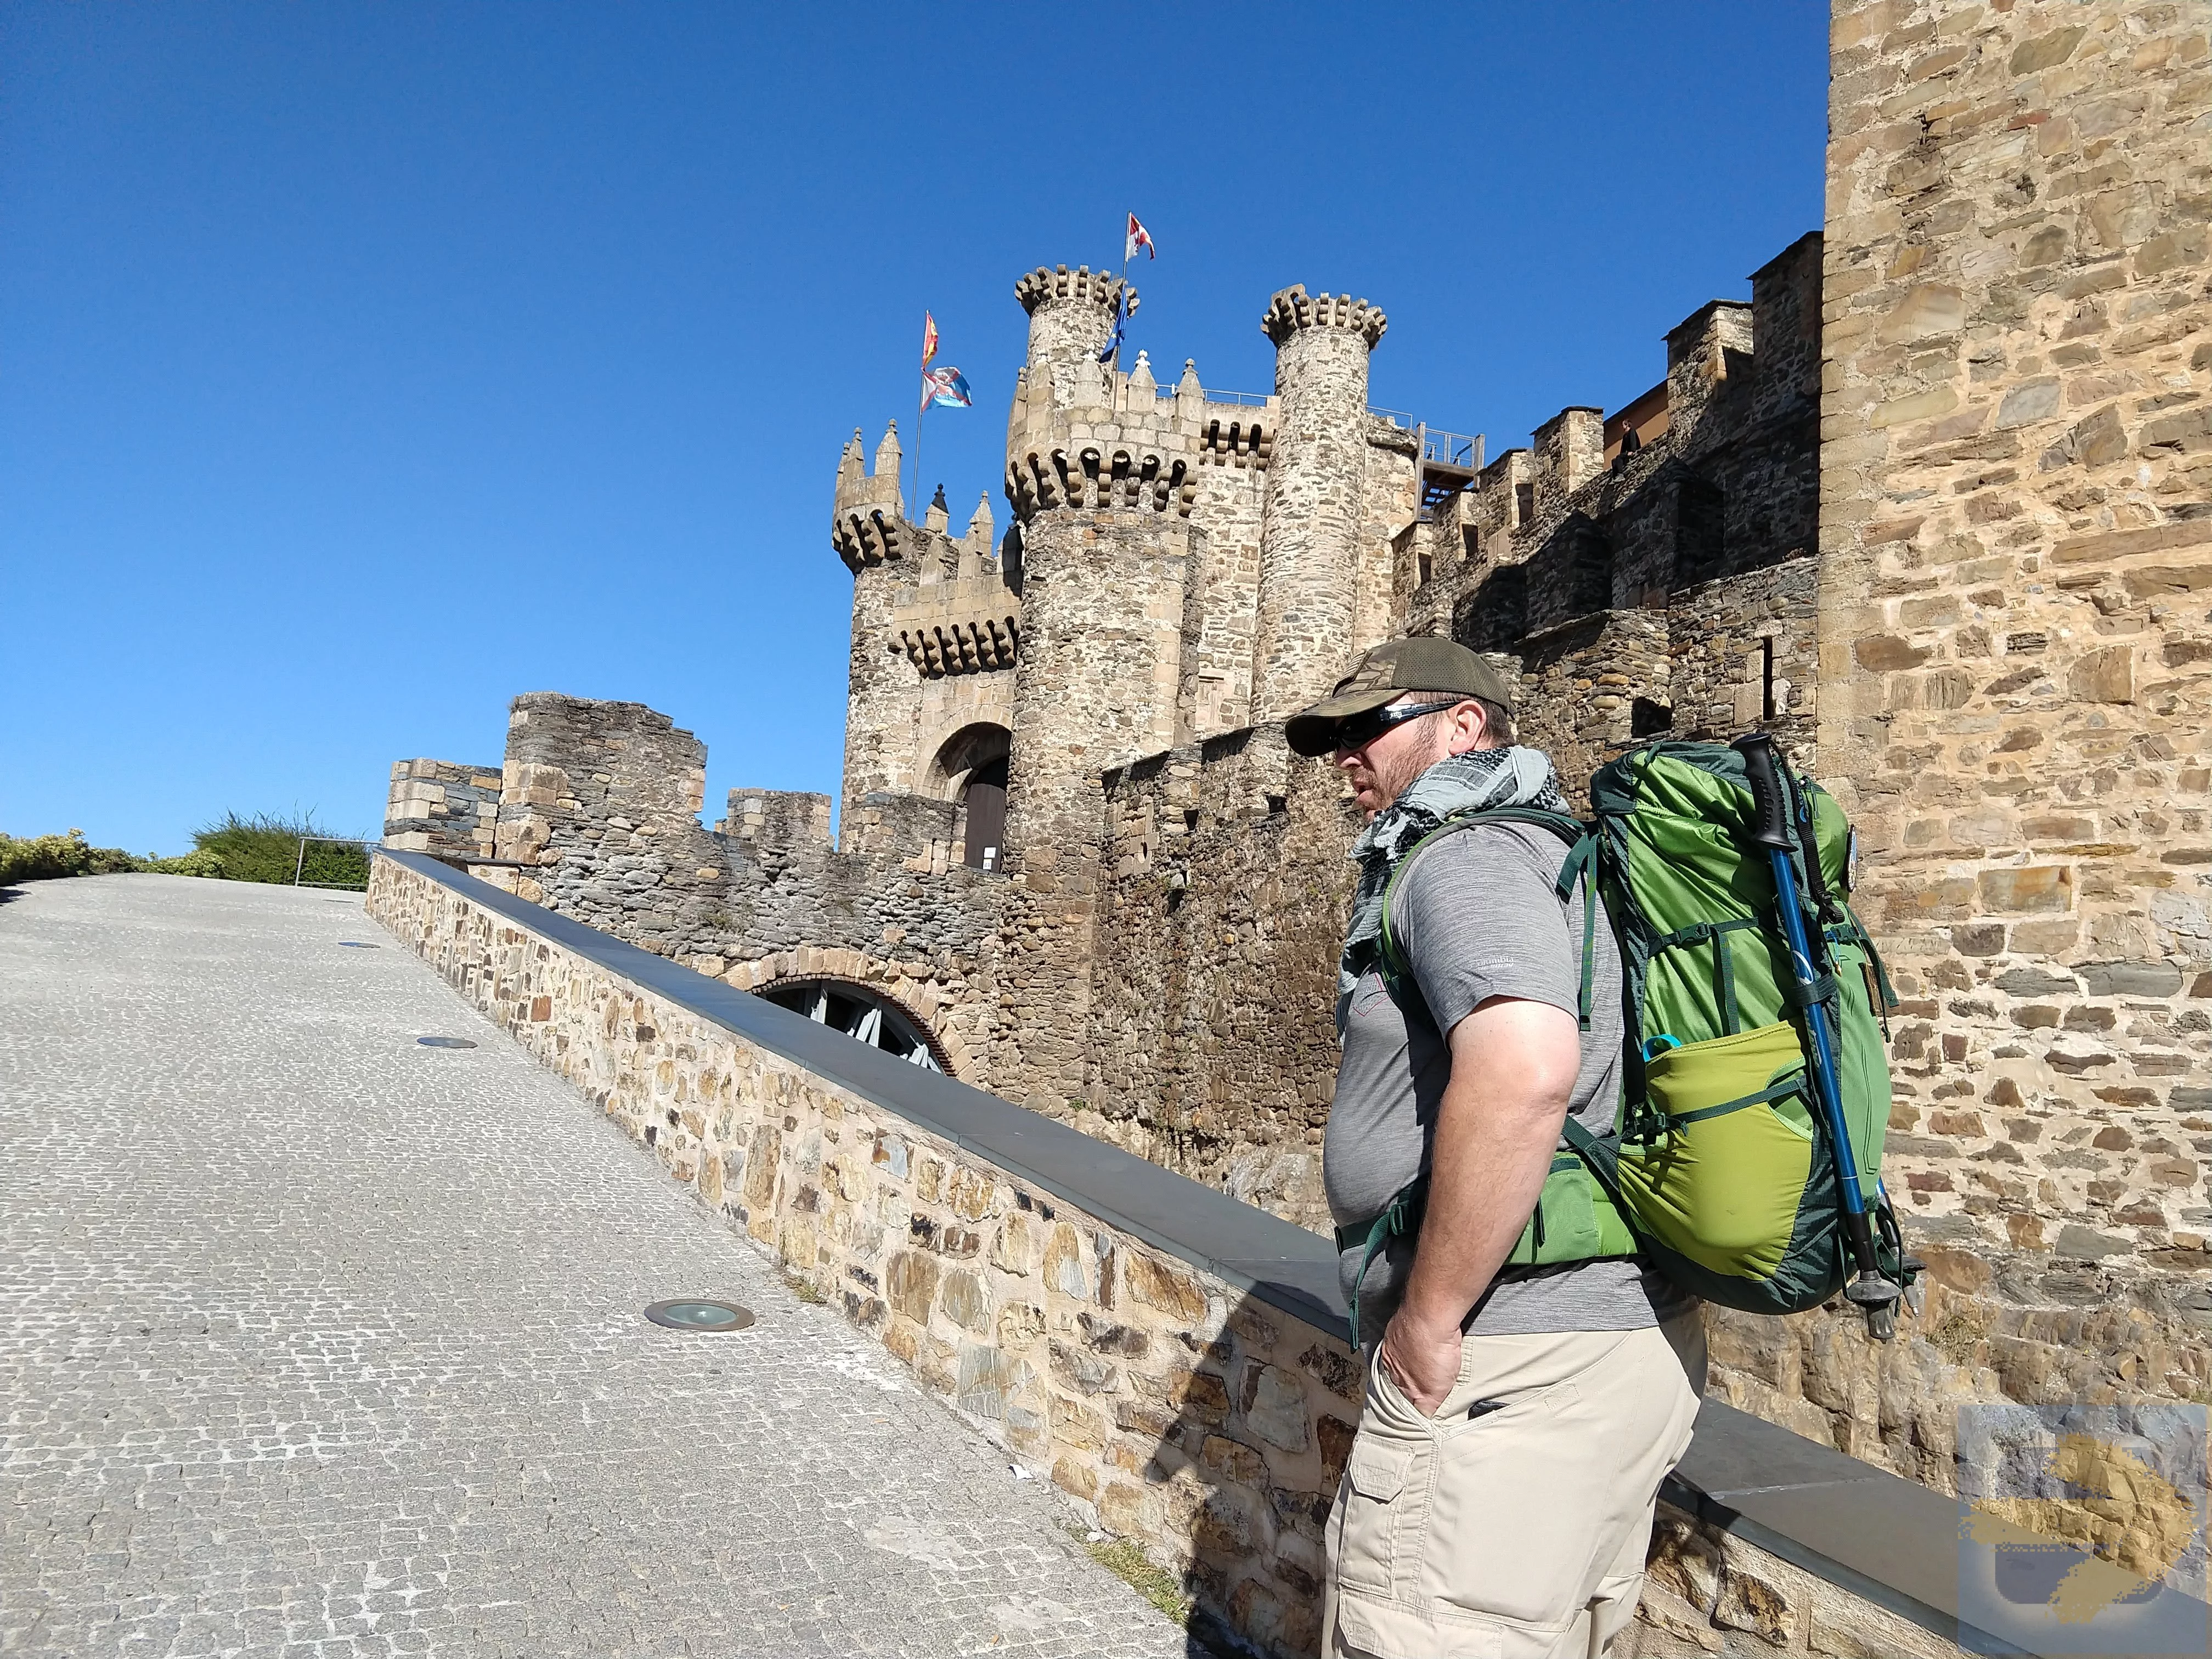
(1427, 663)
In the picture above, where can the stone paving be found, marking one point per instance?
(316, 1341)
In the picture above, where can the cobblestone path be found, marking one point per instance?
(316, 1341)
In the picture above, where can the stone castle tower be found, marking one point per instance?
(1175, 565)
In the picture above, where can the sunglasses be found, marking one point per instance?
(1358, 731)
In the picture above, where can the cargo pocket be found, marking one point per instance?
(1373, 1479)
(1723, 1182)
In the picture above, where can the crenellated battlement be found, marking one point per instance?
(1050, 285)
(1292, 308)
(982, 646)
(1102, 476)
(1114, 428)
(868, 524)
(1244, 439)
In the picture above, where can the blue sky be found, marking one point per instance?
(361, 367)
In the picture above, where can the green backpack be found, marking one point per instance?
(1722, 1169)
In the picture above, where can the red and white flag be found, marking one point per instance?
(928, 337)
(1138, 237)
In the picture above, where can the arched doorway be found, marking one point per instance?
(970, 767)
(861, 1014)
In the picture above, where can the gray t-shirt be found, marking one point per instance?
(1477, 917)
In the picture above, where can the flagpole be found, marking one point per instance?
(917, 457)
(928, 330)
(1121, 300)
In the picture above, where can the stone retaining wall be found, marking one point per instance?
(1174, 1408)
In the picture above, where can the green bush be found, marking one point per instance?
(192, 864)
(44, 858)
(266, 847)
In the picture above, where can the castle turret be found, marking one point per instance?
(869, 530)
(1070, 319)
(1309, 539)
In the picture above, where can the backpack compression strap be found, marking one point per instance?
(1402, 1216)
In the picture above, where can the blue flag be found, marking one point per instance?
(945, 388)
(1113, 346)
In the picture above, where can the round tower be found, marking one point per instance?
(1070, 319)
(869, 529)
(1309, 535)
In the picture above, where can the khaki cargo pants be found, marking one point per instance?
(1518, 1532)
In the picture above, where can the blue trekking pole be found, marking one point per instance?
(1875, 1295)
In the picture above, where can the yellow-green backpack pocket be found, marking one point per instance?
(1721, 1180)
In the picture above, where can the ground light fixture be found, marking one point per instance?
(445, 1042)
(688, 1313)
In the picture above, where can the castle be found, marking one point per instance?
(1935, 507)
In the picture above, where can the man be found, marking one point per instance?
(1518, 1420)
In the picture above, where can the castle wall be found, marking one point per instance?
(1669, 591)
(444, 808)
(604, 798)
(2015, 696)
(1213, 1042)
(601, 803)
(1104, 580)
(1390, 502)
(1733, 646)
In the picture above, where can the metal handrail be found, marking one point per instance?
(1246, 399)
(1452, 448)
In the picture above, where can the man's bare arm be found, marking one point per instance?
(1513, 1068)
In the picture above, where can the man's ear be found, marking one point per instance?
(1461, 741)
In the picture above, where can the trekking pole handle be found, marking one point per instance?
(1770, 811)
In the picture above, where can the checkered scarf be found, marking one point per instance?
(1480, 779)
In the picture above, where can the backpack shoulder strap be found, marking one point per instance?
(1578, 870)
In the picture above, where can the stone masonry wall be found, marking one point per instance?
(1096, 682)
(1390, 502)
(446, 808)
(613, 790)
(2016, 657)
(1672, 591)
(1218, 610)
(601, 806)
(1174, 1408)
(1213, 1044)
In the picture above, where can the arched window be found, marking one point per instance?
(970, 767)
(860, 1013)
